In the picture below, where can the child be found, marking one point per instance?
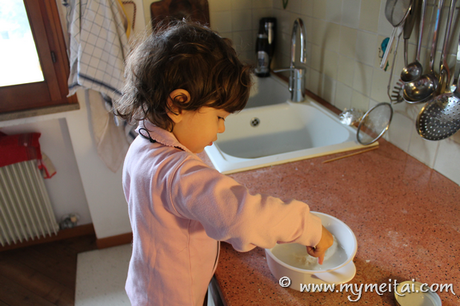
(182, 82)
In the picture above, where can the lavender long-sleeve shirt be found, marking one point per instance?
(180, 209)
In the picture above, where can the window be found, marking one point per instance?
(32, 49)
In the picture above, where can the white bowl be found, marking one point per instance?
(420, 297)
(293, 277)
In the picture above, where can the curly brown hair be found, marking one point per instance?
(182, 55)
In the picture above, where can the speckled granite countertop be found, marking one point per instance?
(406, 218)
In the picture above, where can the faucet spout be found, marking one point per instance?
(297, 73)
(298, 24)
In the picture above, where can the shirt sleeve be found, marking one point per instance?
(228, 212)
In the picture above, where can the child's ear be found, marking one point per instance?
(181, 96)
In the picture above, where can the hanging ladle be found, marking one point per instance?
(414, 70)
(440, 118)
(426, 87)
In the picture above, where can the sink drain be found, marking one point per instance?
(254, 122)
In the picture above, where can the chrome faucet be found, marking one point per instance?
(297, 73)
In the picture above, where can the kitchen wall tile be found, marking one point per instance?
(283, 47)
(365, 47)
(311, 27)
(319, 9)
(345, 70)
(384, 26)
(347, 42)
(306, 8)
(447, 160)
(362, 80)
(221, 21)
(243, 41)
(241, 20)
(313, 83)
(218, 5)
(317, 32)
(332, 37)
(379, 85)
(283, 20)
(294, 6)
(278, 4)
(424, 150)
(259, 4)
(326, 88)
(334, 11)
(315, 61)
(237, 5)
(320, 31)
(343, 96)
(369, 15)
(400, 131)
(360, 101)
(330, 64)
(351, 10)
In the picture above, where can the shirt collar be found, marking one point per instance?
(161, 135)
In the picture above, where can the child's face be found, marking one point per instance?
(198, 129)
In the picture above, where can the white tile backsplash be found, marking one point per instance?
(241, 20)
(362, 81)
(369, 15)
(221, 21)
(344, 37)
(350, 12)
(343, 96)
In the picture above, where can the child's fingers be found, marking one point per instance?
(316, 252)
(321, 259)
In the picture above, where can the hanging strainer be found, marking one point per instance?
(396, 11)
(374, 123)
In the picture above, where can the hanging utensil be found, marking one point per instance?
(414, 70)
(396, 96)
(391, 71)
(396, 12)
(374, 123)
(444, 71)
(440, 118)
(397, 93)
(425, 88)
(408, 27)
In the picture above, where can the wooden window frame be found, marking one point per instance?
(46, 28)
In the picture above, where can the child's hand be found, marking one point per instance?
(320, 249)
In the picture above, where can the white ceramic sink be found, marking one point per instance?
(279, 132)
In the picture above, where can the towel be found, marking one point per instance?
(18, 148)
(23, 147)
(99, 31)
(98, 46)
(111, 141)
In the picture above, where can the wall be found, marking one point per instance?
(65, 188)
(344, 38)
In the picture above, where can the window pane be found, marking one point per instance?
(18, 54)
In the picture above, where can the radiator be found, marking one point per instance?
(25, 207)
